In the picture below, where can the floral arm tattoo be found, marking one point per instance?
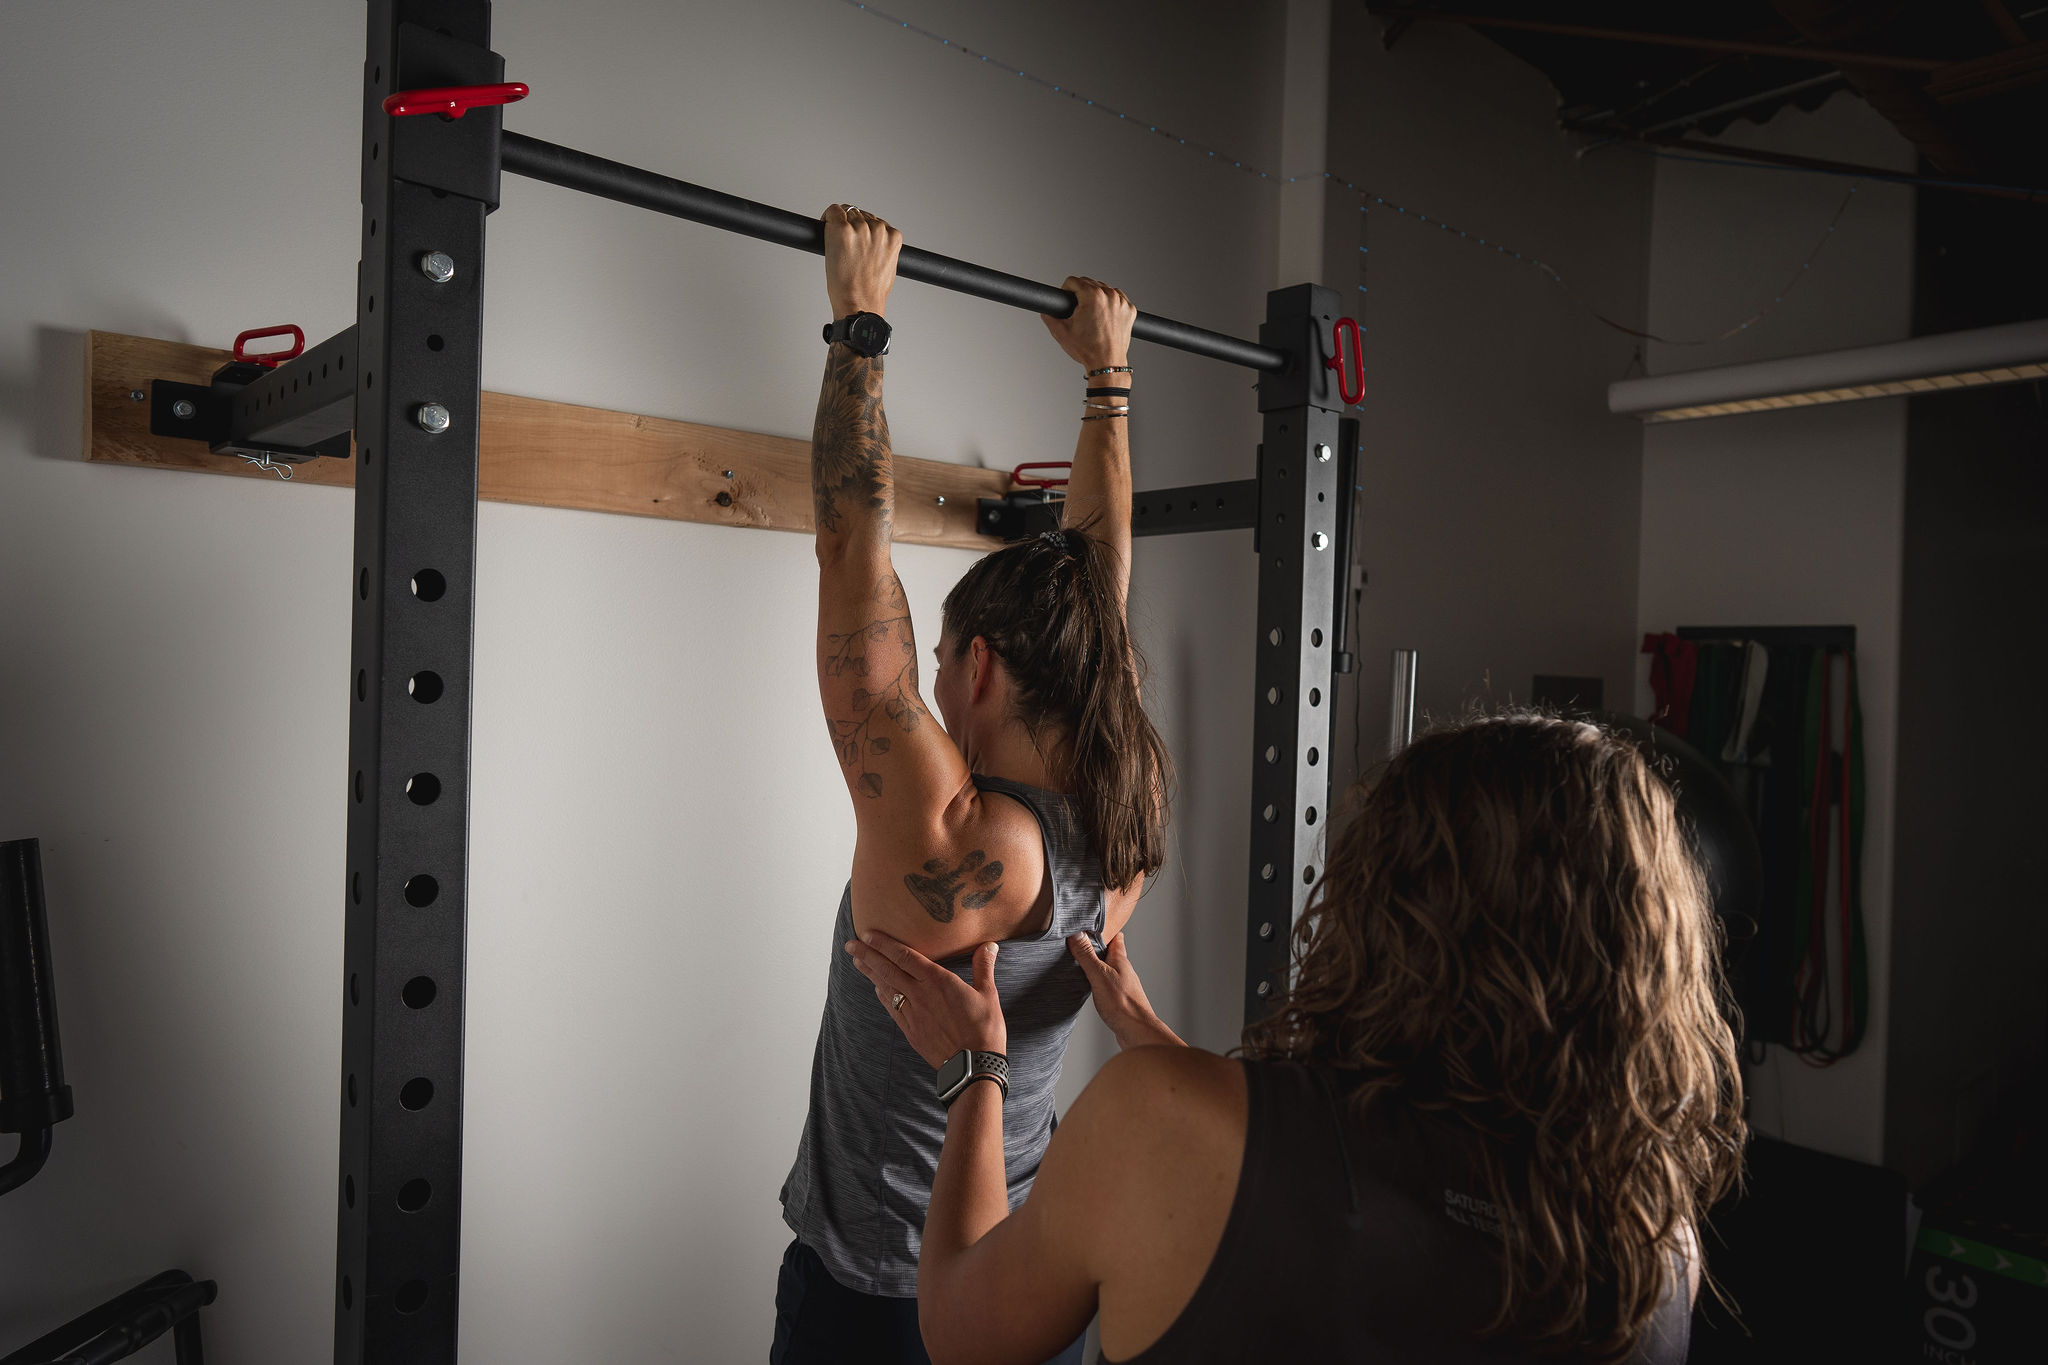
(882, 654)
(850, 470)
(852, 483)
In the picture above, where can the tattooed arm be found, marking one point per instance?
(934, 865)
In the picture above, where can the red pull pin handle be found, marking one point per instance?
(1023, 480)
(451, 101)
(270, 359)
(1355, 372)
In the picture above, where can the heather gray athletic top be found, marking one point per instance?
(863, 1172)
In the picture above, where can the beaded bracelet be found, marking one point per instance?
(1110, 369)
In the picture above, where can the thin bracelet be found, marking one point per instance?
(1107, 416)
(1109, 393)
(1110, 369)
(1108, 407)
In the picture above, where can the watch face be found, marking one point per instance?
(952, 1072)
(866, 332)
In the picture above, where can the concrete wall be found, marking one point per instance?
(1790, 517)
(658, 835)
(1497, 521)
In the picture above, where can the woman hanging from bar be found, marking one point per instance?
(1028, 809)
(1482, 1125)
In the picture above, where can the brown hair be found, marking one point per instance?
(1052, 610)
(1512, 931)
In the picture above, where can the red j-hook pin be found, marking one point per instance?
(451, 101)
(1355, 372)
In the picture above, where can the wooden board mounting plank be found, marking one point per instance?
(555, 455)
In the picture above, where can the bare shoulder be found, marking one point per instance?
(970, 871)
(1146, 1169)
(1155, 1073)
(1156, 1125)
(1161, 1102)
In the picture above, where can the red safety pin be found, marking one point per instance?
(451, 101)
(1023, 480)
(1356, 370)
(270, 359)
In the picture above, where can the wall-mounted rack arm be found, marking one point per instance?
(294, 411)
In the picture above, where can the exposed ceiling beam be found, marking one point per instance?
(1828, 55)
(1810, 163)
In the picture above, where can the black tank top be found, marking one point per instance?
(1358, 1239)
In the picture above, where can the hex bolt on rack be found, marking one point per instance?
(405, 380)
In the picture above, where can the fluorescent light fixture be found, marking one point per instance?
(1952, 360)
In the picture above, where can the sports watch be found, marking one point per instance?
(866, 333)
(964, 1067)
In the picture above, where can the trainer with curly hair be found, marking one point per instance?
(1482, 1125)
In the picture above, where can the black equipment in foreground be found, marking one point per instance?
(33, 1096)
(120, 1327)
(412, 367)
(33, 1100)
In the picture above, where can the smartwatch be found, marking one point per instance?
(967, 1066)
(866, 333)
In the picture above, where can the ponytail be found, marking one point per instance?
(1052, 611)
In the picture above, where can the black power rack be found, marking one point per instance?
(406, 381)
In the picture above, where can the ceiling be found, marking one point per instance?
(1966, 81)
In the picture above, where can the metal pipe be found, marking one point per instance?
(1401, 708)
(1698, 116)
(2005, 353)
(576, 170)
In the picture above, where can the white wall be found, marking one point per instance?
(1498, 515)
(1791, 517)
(658, 838)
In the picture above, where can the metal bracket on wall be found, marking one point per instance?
(1159, 512)
(1019, 514)
(296, 411)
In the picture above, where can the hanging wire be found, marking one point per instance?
(263, 461)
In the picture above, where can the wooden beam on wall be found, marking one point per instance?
(555, 455)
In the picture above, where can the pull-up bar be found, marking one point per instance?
(576, 170)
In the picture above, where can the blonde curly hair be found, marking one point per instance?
(1513, 931)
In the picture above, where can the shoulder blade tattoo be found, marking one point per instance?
(938, 887)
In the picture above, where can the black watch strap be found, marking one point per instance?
(865, 333)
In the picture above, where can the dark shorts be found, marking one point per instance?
(819, 1320)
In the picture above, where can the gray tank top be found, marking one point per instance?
(864, 1167)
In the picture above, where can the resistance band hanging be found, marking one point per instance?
(1763, 702)
(1834, 827)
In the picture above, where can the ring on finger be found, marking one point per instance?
(897, 1002)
